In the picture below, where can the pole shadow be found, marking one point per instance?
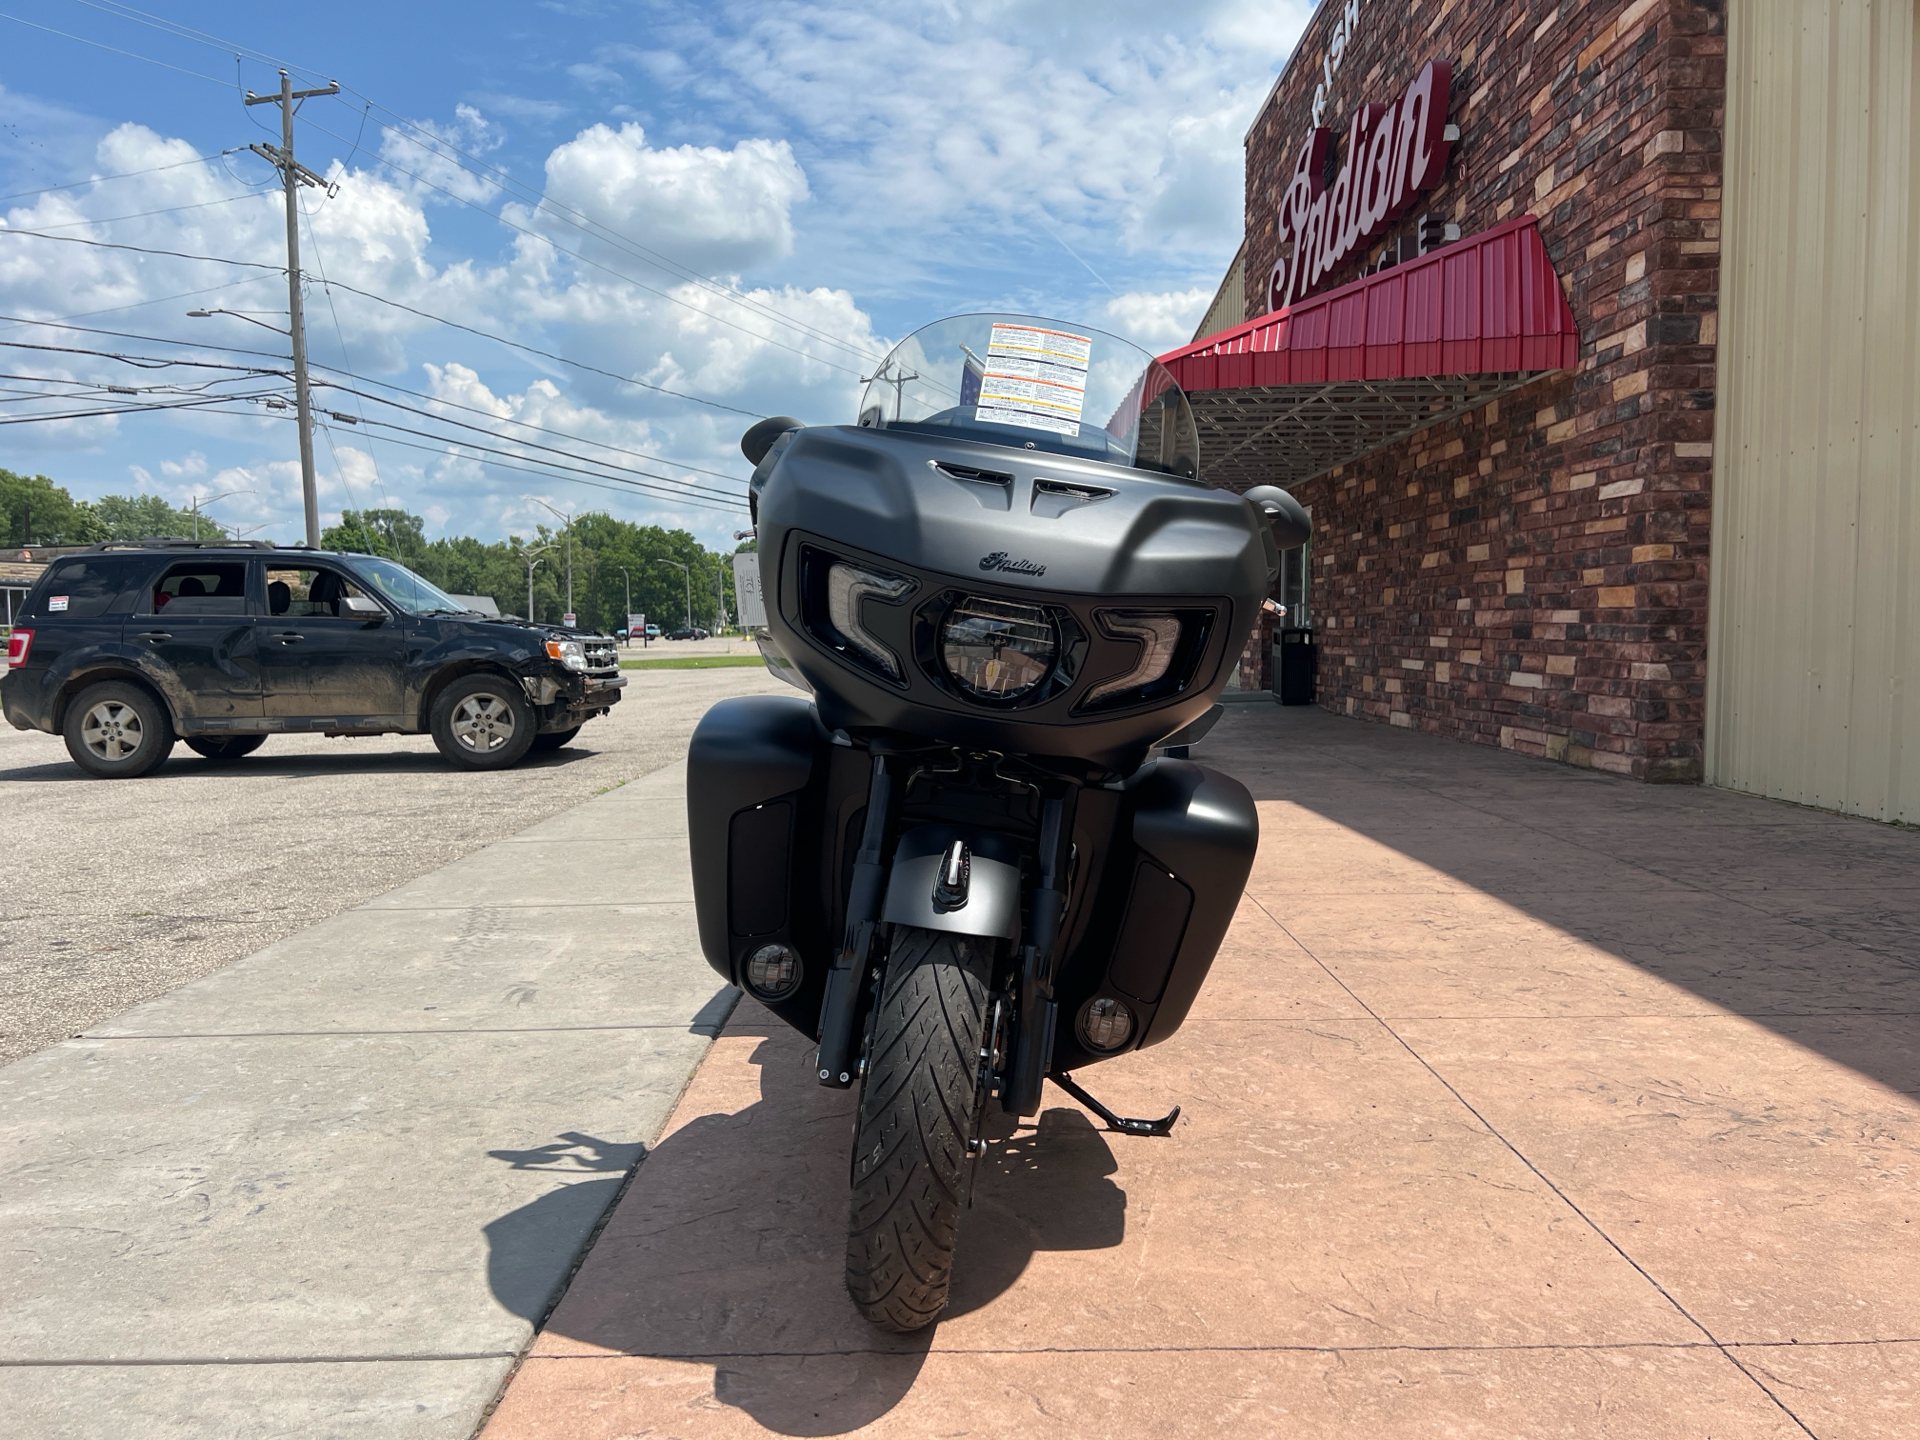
(728, 1248)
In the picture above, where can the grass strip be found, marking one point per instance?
(693, 662)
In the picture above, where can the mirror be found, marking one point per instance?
(359, 607)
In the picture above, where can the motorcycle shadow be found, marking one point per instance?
(728, 1249)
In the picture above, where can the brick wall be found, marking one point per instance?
(1534, 574)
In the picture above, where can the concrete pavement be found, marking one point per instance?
(332, 1188)
(112, 892)
(1521, 1101)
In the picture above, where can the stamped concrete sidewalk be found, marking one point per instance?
(330, 1189)
(1522, 1101)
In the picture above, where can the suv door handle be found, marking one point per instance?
(156, 635)
(289, 637)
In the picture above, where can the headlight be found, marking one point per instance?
(1159, 637)
(570, 653)
(995, 649)
(846, 588)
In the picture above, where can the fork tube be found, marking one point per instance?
(840, 1007)
(1038, 1014)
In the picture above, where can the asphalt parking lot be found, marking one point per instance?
(112, 892)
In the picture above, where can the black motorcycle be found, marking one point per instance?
(959, 866)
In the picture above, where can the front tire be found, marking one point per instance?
(483, 722)
(117, 731)
(231, 748)
(918, 1114)
(555, 739)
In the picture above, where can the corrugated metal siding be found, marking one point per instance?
(1814, 628)
(1229, 305)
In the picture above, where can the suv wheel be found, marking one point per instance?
(117, 731)
(230, 748)
(483, 722)
(555, 739)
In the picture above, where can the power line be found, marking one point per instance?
(143, 214)
(351, 375)
(396, 304)
(126, 175)
(586, 260)
(692, 486)
(502, 180)
(140, 249)
(134, 409)
(131, 55)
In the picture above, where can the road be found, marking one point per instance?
(112, 892)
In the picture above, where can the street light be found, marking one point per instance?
(532, 557)
(689, 574)
(238, 315)
(626, 615)
(568, 517)
(195, 507)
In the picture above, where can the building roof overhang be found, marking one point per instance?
(1290, 395)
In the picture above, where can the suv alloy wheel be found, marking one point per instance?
(483, 722)
(117, 731)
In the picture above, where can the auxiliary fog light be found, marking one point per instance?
(1107, 1024)
(847, 586)
(773, 972)
(995, 649)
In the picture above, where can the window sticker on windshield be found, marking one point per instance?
(56, 603)
(1035, 378)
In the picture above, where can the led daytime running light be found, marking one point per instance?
(846, 588)
(1159, 637)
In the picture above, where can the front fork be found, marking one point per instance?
(1036, 1012)
(840, 1007)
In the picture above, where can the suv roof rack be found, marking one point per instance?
(174, 542)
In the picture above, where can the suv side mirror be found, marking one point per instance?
(1285, 515)
(359, 607)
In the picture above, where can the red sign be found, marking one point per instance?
(1394, 153)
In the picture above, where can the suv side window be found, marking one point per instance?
(97, 585)
(201, 587)
(306, 591)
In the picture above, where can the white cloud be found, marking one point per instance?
(713, 209)
(1158, 320)
(428, 151)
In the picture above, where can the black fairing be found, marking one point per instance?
(959, 518)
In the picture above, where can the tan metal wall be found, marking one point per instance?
(1229, 305)
(1814, 629)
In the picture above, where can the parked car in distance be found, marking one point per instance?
(124, 648)
(653, 632)
(687, 632)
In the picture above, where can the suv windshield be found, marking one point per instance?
(406, 589)
(1037, 385)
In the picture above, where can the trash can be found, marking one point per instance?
(1294, 658)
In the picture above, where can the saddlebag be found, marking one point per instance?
(1165, 903)
(757, 772)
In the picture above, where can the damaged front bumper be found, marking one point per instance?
(567, 700)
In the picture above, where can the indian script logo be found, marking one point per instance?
(999, 560)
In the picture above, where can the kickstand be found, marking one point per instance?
(1115, 1122)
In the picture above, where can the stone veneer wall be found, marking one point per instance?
(1534, 574)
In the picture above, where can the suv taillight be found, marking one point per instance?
(18, 644)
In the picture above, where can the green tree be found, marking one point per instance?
(34, 510)
(150, 517)
(391, 533)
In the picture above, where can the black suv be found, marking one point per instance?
(123, 648)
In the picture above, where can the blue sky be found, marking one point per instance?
(744, 204)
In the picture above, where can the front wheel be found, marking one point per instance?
(483, 722)
(919, 1114)
(555, 739)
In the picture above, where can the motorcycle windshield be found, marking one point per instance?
(1036, 384)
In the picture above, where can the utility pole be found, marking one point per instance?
(293, 175)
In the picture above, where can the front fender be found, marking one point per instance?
(992, 907)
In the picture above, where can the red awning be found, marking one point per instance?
(1288, 396)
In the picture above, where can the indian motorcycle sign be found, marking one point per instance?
(1394, 153)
